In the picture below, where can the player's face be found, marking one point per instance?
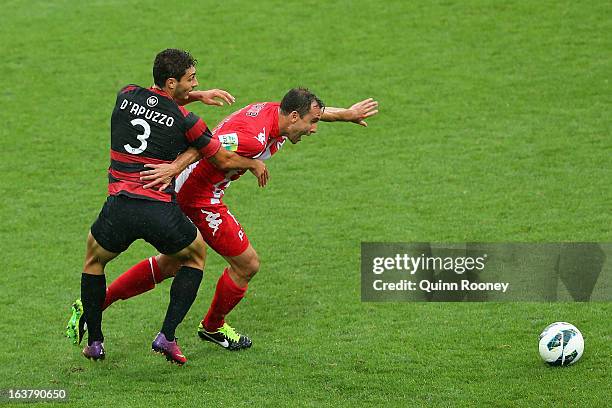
(187, 84)
(304, 126)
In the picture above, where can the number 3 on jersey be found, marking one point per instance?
(142, 137)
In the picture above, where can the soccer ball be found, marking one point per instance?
(561, 344)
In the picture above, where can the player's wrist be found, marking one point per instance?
(351, 116)
(192, 96)
(255, 165)
(176, 169)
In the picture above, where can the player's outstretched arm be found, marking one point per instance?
(357, 113)
(225, 160)
(162, 174)
(214, 97)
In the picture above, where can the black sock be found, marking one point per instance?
(183, 292)
(93, 293)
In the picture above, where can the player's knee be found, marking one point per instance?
(194, 255)
(198, 256)
(251, 267)
(199, 250)
(95, 258)
(93, 265)
(254, 265)
(168, 266)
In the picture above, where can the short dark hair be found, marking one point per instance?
(171, 63)
(299, 100)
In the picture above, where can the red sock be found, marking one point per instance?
(140, 278)
(227, 296)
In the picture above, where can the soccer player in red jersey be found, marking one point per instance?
(150, 125)
(257, 131)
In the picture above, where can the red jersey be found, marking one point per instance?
(250, 132)
(147, 126)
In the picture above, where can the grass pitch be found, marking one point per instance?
(494, 125)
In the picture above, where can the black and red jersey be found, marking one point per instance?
(147, 126)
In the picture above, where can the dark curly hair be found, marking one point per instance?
(171, 63)
(299, 100)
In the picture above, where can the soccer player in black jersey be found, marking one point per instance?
(151, 126)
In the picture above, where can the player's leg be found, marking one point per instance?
(179, 239)
(109, 235)
(76, 327)
(185, 284)
(223, 233)
(141, 278)
(93, 289)
(231, 287)
(230, 290)
(183, 293)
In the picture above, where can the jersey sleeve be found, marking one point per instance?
(198, 135)
(242, 141)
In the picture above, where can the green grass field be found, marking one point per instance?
(494, 125)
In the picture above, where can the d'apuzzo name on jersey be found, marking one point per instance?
(154, 116)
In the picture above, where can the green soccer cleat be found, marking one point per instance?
(225, 337)
(76, 327)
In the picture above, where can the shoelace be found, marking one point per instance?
(229, 332)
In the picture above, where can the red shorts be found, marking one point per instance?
(221, 231)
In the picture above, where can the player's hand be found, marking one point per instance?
(161, 174)
(363, 110)
(260, 171)
(214, 97)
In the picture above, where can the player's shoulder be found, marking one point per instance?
(259, 109)
(153, 95)
(141, 95)
(256, 115)
(129, 88)
(188, 114)
(248, 121)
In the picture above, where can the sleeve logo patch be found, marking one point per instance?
(229, 141)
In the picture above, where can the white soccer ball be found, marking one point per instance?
(561, 344)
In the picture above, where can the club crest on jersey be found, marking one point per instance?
(229, 141)
(152, 101)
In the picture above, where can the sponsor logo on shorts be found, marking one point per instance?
(213, 220)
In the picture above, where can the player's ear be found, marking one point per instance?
(171, 83)
(294, 116)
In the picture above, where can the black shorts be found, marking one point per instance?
(123, 220)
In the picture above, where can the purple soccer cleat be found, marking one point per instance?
(168, 348)
(95, 352)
